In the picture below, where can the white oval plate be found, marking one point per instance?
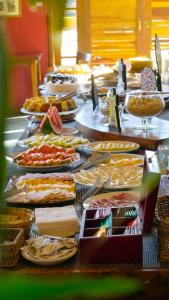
(117, 181)
(42, 168)
(125, 156)
(69, 112)
(122, 146)
(47, 262)
(87, 202)
(32, 113)
(41, 114)
(68, 131)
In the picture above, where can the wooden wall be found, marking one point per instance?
(27, 33)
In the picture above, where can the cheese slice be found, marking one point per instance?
(59, 221)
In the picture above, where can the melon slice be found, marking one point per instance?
(51, 122)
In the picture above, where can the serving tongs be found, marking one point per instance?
(9, 193)
(97, 187)
(94, 160)
(67, 96)
(62, 98)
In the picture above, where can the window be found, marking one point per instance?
(69, 35)
(113, 28)
(160, 25)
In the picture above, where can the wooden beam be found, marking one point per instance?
(84, 25)
(143, 33)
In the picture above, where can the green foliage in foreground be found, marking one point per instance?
(4, 93)
(26, 288)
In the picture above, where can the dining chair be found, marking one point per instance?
(82, 58)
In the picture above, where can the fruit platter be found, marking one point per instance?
(112, 146)
(45, 157)
(53, 139)
(41, 188)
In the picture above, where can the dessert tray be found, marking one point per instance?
(113, 199)
(47, 251)
(112, 146)
(115, 177)
(41, 188)
(44, 158)
(53, 139)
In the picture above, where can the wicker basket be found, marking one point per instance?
(25, 219)
(163, 228)
(11, 240)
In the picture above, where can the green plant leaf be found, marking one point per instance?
(4, 96)
(66, 287)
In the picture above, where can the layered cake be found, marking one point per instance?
(60, 83)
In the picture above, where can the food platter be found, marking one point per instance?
(115, 177)
(112, 146)
(116, 199)
(51, 168)
(34, 199)
(52, 139)
(66, 113)
(59, 254)
(33, 113)
(48, 262)
(41, 188)
(41, 114)
(48, 168)
(68, 131)
(124, 159)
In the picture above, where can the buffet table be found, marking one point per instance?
(92, 125)
(150, 267)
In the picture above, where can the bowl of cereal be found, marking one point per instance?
(145, 105)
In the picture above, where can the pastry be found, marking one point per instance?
(43, 188)
(42, 196)
(42, 104)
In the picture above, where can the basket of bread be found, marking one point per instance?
(11, 240)
(162, 216)
(12, 217)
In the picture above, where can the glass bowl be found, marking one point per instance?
(144, 105)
